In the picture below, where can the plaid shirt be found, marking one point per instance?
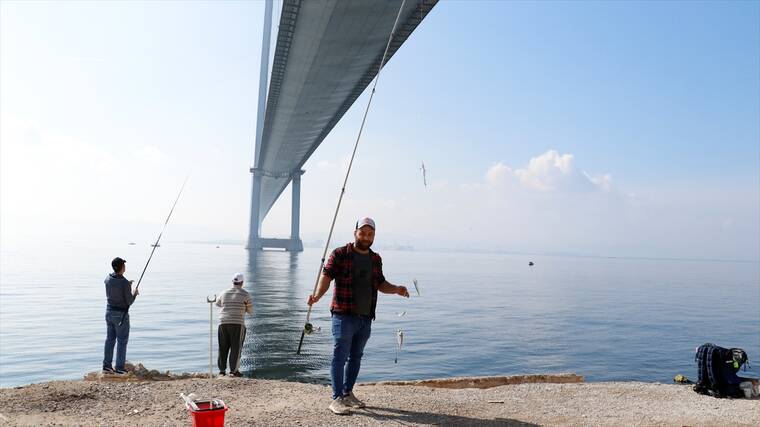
(340, 268)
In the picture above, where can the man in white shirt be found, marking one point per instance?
(234, 303)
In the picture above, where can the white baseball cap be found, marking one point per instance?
(365, 221)
(238, 278)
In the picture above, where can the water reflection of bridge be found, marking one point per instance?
(278, 285)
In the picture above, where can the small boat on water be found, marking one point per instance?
(155, 246)
(131, 243)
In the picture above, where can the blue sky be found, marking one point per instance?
(642, 120)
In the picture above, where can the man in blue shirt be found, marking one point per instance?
(120, 296)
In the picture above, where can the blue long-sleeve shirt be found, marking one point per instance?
(118, 292)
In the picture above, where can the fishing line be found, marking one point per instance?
(308, 328)
(155, 245)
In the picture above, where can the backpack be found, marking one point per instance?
(716, 370)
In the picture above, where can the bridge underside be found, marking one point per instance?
(327, 53)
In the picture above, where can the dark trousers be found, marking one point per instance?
(116, 332)
(231, 338)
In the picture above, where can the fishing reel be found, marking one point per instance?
(309, 329)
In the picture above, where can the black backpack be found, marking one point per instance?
(717, 368)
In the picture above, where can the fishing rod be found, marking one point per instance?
(155, 245)
(307, 327)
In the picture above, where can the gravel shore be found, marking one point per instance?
(254, 402)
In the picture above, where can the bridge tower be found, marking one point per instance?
(255, 241)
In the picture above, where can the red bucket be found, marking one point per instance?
(208, 415)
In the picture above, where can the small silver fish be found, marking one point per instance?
(401, 314)
(399, 343)
(416, 287)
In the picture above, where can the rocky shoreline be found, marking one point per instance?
(527, 400)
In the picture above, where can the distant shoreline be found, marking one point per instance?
(411, 248)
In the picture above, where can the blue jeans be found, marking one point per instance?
(116, 334)
(350, 334)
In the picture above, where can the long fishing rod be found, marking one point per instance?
(155, 245)
(307, 327)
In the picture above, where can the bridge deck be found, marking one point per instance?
(327, 53)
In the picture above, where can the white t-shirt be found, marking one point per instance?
(235, 302)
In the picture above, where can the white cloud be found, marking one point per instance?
(149, 154)
(46, 175)
(603, 182)
(33, 156)
(498, 174)
(549, 172)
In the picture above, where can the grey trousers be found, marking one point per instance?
(231, 337)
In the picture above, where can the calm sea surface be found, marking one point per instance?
(478, 314)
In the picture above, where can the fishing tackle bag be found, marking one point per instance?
(717, 368)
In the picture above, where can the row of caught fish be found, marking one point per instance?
(399, 332)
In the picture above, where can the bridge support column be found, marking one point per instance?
(296, 245)
(255, 241)
(254, 233)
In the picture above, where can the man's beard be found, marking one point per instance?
(362, 246)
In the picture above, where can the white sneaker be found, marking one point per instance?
(352, 401)
(339, 407)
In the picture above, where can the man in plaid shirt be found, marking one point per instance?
(358, 275)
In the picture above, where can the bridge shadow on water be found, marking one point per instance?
(278, 285)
